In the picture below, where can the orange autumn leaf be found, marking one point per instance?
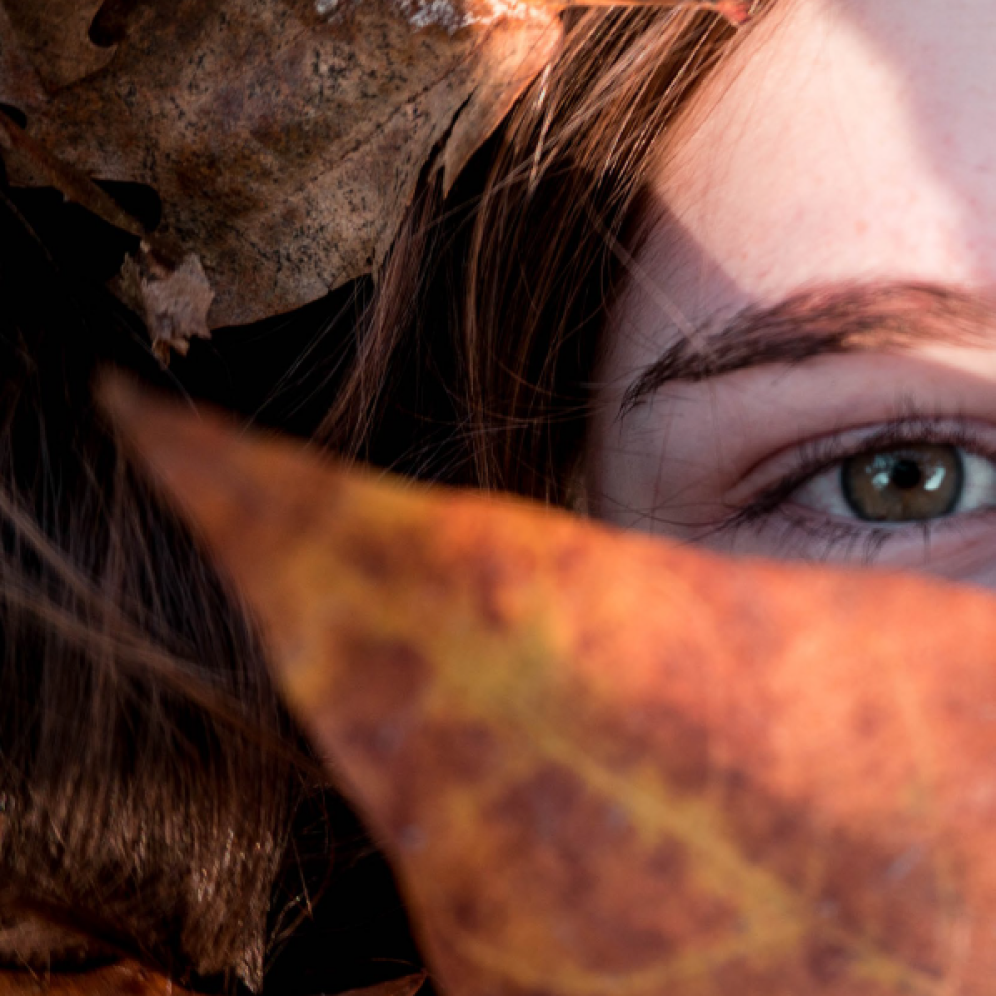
(605, 765)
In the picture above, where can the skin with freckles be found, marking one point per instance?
(848, 146)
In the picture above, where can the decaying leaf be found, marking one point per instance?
(55, 35)
(23, 154)
(170, 291)
(285, 138)
(608, 765)
(173, 299)
(19, 81)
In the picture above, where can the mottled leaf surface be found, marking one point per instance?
(607, 765)
(285, 138)
(55, 35)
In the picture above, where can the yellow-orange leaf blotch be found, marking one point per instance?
(608, 766)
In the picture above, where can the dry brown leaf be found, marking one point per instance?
(20, 84)
(606, 765)
(168, 290)
(55, 36)
(22, 152)
(284, 137)
(173, 299)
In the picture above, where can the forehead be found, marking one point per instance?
(846, 139)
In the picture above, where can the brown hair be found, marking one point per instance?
(475, 358)
(156, 802)
(154, 797)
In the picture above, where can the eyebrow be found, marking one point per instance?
(822, 321)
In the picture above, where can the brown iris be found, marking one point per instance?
(906, 484)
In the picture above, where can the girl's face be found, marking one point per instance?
(803, 364)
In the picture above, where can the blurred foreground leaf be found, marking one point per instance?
(604, 765)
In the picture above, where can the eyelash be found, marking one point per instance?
(814, 457)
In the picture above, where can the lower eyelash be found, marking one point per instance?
(839, 540)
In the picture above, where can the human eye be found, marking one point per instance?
(914, 487)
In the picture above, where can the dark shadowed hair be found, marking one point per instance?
(156, 803)
(155, 800)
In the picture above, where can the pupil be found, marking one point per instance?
(906, 474)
